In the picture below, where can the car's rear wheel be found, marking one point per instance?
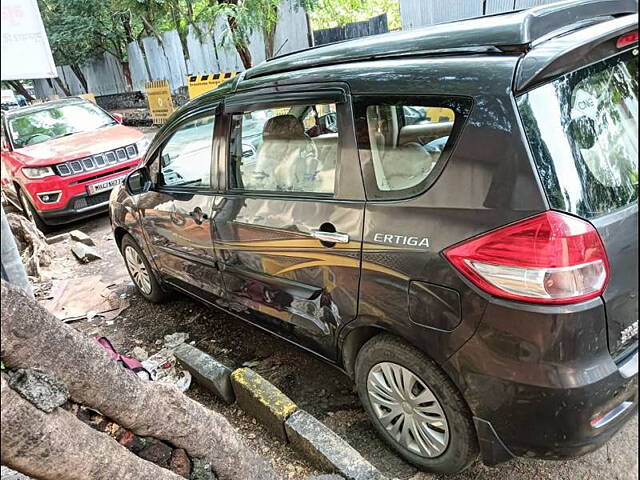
(414, 406)
(140, 271)
(31, 213)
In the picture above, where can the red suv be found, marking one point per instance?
(61, 159)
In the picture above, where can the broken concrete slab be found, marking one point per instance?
(58, 238)
(84, 253)
(327, 450)
(80, 236)
(262, 400)
(207, 371)
(175, 339)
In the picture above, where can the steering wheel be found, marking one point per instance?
(35, 135)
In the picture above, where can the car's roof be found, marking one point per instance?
(509, 32)
(43, 106)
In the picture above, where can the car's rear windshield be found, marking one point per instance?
(583, 132)
(41, 125)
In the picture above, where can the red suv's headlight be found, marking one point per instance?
(37, 172)
(550, 258)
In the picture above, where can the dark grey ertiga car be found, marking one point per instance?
(448, 215)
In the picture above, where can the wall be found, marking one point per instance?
(420, 13)
(158, 59)
(352, 30)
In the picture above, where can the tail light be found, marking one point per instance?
(551, 258)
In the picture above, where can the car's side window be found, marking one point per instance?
(185, 158)
(290, 149)
(405, 141)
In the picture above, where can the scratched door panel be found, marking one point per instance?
(281, 276)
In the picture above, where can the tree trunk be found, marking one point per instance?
(32, 338)
(80, 75)
(57, 445)
(62, 86)
(18, 87)
(239, 40)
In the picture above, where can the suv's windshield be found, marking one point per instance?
(583, 131)
(59, 120)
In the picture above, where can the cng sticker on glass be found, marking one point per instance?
(159, 99)
(199, 84)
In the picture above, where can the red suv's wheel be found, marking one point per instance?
(31, 213)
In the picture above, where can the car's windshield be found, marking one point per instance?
(583, 131)
(57, 121)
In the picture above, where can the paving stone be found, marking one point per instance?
(262, 400)
(206, 370)
(81, 237)
(84, 253)
(328, 451)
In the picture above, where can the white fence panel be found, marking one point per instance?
(104, 75)
(137, 66)
(70, 79)
(499, 6)
(418, 13)
(292, 28)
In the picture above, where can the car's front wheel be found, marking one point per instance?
(414, 406)
(140, 271)
(31, 213)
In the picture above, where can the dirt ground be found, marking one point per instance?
(318, 388)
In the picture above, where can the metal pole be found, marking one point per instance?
(12, 268)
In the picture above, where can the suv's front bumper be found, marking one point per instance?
(77, 208)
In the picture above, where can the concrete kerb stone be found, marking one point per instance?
(326, 449)
(262, 400)
(279, 414)
(206, 370)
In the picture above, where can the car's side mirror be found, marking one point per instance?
(118, 117)
(165, 160)
(138, 182)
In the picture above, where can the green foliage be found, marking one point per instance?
(80, 30)
(335, 13)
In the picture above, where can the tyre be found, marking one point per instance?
(31, 213)
(140, 271)
(414, 406)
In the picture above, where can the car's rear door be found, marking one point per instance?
(176, 213)
(288, 226)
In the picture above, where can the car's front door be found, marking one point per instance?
(176, 213)
(288, 227)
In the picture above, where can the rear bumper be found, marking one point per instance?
(569, 428)
(541, 383)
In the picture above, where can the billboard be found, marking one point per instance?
(25, 51)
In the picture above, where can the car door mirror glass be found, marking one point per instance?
(138, 182)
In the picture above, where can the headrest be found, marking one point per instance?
(286, 127)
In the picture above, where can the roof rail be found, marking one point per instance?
(509, 32)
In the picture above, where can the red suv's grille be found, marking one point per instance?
(97, 162)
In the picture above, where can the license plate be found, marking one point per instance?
(106, 185)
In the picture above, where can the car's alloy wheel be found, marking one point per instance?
(408, 409)
(138, 270)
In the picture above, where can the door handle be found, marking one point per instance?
(330, 237)
(198, 215)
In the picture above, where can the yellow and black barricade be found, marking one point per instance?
(199, 84)
(159, 99)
